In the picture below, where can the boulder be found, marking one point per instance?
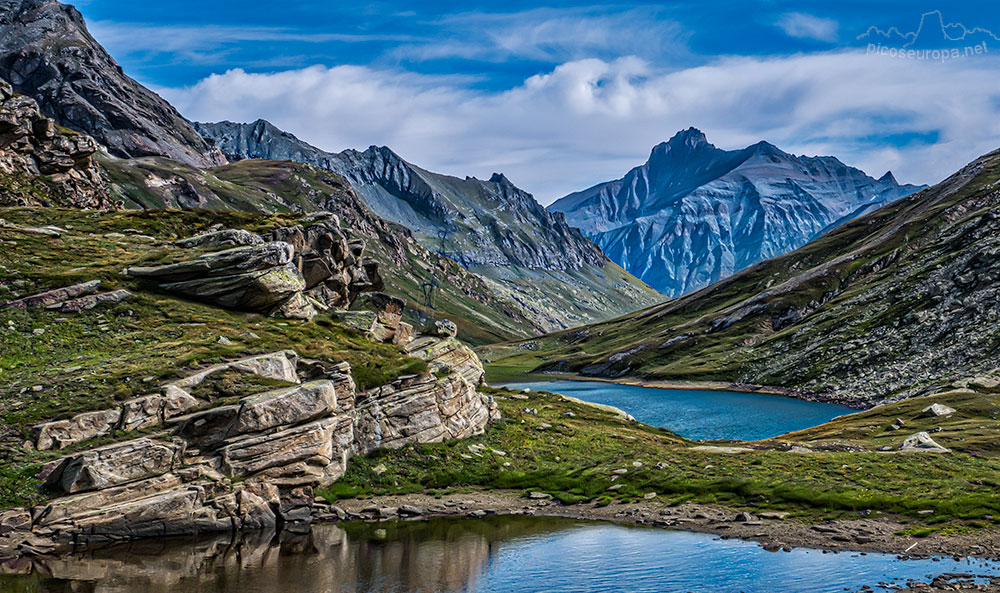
(443, 328)
(58, 295)
(279, 365)
(86, 303)
(362, 321)
(255, 278)
(284, 407)
(447, 355)
(79, 428)
(921, 443)
(936, 410)
(223, 238)
(117, 464)
(294, 456)
(388, 309)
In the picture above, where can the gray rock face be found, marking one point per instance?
(485, 223)
(32, 145)
(693, 213)
(47, 53)
(116, 464)
(254, 278)
(249, 465)
(937, 410)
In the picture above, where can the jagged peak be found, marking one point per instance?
(767, 149)
(888, 178)
(500, 178)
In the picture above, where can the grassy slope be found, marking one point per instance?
(825, 317)
(574, 458)
(91, 360)
(482, 314)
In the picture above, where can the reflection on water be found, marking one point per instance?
(494, 555)
(700, 414)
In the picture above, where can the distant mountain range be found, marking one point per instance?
(694, 214)
(489, 226)
(898, 303)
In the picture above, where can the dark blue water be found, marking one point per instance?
(494, 555)
(700, 414)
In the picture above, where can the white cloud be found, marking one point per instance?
(590, 120)
(807, 26)
(550, 35)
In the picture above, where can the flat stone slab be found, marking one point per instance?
(55, 296)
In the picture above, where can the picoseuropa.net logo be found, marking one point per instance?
(932, 40)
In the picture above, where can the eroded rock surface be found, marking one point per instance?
(247, 465)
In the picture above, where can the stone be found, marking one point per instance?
(255, 278)
(443, 328)
(294, 456)
(936, 410)
(118, 464)
(389, 309)
(743, 517)
(450, 354)
(279, 365)
(403, 335)
(86, 303)
(223, 238)
(921, 442)
(284, 407)
(79, 428)
(539, 496)
(362, 321)
(297, 306)
(14, 520)
(408, 510)
(52, 297)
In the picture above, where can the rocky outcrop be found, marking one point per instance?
(32, 145)
(253, 278)
(47, 53)
(248, 465)
(694, 214)
(921, 443)
(286, 274)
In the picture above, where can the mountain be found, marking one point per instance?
(693, 213)
(47, 53)
(482, 313)
(491, 227)
(894, 304)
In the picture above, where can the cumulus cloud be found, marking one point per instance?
(806, 26)
(590, 120)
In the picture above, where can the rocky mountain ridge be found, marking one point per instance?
(898, 303)
(483, 223)
(693, 213)
(47, 53)
(492, 228)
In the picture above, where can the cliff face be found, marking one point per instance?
(31, 145)
(477, 222)
(694, 214)
(47, 54)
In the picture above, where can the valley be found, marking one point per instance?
(232, 360)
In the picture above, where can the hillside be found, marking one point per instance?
(47, 53)
(694, 214)
(483, 314)
(891, 305)
(491, 227)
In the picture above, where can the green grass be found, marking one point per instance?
(574, 460)
(54, 365)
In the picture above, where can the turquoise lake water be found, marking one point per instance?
(493, 555)
(701, 414)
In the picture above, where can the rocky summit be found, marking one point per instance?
(47, 53)
(694, 214)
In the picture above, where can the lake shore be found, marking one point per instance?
(693, 385)
(772, 530)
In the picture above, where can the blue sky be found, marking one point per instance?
(561, 96)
